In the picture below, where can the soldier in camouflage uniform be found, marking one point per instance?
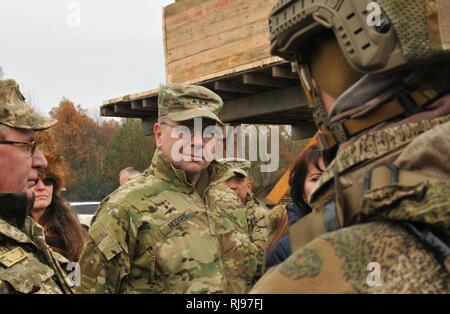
(27, 264)
(240, 224)
(155, 234)
(381, 210)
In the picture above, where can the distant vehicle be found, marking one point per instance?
(85, 211)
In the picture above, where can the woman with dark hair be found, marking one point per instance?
(307, 170)
(63, 232)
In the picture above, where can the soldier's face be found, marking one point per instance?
(240, 185)
(18, 166)
(185, 151)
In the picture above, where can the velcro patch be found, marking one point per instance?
(177, 221)
(13, 257)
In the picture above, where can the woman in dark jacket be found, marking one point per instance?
(63, 232)
(307, 170)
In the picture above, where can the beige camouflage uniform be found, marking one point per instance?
(389, 228)
(155, 234)
(27, 264)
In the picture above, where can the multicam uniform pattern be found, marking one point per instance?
(155, 235)
(241, 230)
(338, 261)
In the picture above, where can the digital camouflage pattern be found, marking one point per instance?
(241, 228)
(180, 102)
(343, 261)
(156, 235)
(28, 265)
(15, 112)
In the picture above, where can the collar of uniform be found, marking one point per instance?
(14, 209)
(250, 201)
(220, 172)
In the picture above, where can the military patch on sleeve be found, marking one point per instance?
(13, 257)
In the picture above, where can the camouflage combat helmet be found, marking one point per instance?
(404, 32)
(181, 102)
(370, 39)
(15, 112)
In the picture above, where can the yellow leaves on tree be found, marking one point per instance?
(46, 142)
(75, 137)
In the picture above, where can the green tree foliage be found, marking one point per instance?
(130, 147)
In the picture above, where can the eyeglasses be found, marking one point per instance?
(192, 128)
(49, 181)
(30, 146)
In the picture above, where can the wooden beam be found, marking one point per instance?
(235, 87)
(125, 111)
(266, 103)
(150, 103)
(136, 104)
(259, 80)
(283, 72)
(228, 95)
(107, 112)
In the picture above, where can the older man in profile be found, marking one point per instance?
(27, 265)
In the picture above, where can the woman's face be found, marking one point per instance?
(313, 174)
(43, 191)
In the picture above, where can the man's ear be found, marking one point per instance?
(158, 134)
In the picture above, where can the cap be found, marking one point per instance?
(181, 102)
(16, 113)
(237, 165)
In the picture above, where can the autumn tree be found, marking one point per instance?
(75, 137)
(46, 142)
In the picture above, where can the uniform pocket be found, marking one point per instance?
(105, 242)
(29, 276)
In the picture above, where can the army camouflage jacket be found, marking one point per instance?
(153, 235)
(241, 230)
(27, 264)
(392, 246)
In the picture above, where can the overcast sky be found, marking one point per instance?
(110, 49)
